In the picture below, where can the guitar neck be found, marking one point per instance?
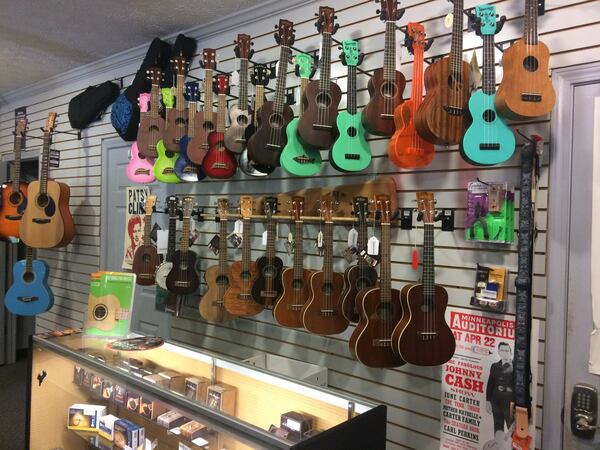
(259, 100)
(361, 241)
(45, 162)
(428, 266)
(19, 144)
(243, 100)
(351, 90)
(28, 259)
(328, 252)
(271, 230)
(223, 246)
(246, 246)
(221, 113)
(389, 53)
(154, 100)
(385, 277)
(457, 38)
(325, 63)
(489, 76)
(179, 97)
(192, 109)
(303, 84)
(184, 243)
(171, 243)
(298, 249)
(147, 228)
(530, 31)
(284, 55)
(417, 83)
(208, 91)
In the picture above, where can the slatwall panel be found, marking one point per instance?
(570, 28)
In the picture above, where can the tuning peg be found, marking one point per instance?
(335, 28)
(316, 14)
(276, 27)
(378, 12)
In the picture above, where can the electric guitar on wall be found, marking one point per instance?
(47, 220)
(296, 158)
(423, 337)
(164, 166)
(152, 125)
(387, 84)
(526, 90)
(212, 305)
(145, 259)
(322, 312)
(488, 140)
(14, 199)
(177, 117)
(379, 307)
(29, 294)
(185, 169)
(350, 152)
(321, 99)
(139, 168)
(162, 271)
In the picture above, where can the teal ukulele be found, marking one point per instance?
(488, 140)
(350, 152)
(164, 166)
(295, 158)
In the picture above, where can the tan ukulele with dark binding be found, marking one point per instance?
(176, 125)
(145, 259)
(104, 312)
(152, 125)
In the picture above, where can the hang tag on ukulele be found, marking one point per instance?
(319, 243)
(234, 79)
(214, 244)
(373, 246)
(352, 237)
(371, 260)
(449, 20)
(265, 237)
(349, 253)
(54, 158)
(162, 241)
(235, 239)
(290, 244)
(238, 226)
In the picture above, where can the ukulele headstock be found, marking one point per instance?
(304, 65)
(144, 102)
(485, 19)
(246, 206)
(180, 65)
(222, 86)
(154, 75)
(209, 59)
(222, 207)
(149, 204)
(21, 126)
(350, 55)
(389, 11)
(261, 74)
(188, 206)
(326, 20)
(242, 46)
(426, 206)
(383, 205)
(360, 206)
(172, 204)
(284, 35)
(327, 206)
(192, 91)
(270, 207)
(50, 122)
(297, 207)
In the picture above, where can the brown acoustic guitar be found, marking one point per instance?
(152, 125)
(176, 124)
(423, 337)
(387, 84)
(238, 298)
(322, 313)
(296, 280)
(212, 304)
(526, 90)
(444, 115)
(146, 259)
(379, 307)
(47, 220)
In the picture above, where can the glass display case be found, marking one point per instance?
(184, 399)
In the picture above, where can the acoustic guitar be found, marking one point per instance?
(423, 337)
(297, 158)
(321, 99)
(379, 307)
(47, 220)
(104, 312)
(295, 280)
(526, 91)
(29, 294)
(443, 116)
(140, 168)
(212, 303)
(185, 169)
(387, 84)
(162, 271)
(176, 123)
(406, 148)
(164, 166)
(14, 199)
(269, 139)
(238, 297)
(152, 125)
(322, 312)
(145, 258)
(488, 140)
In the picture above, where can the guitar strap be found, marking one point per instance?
(530, 164)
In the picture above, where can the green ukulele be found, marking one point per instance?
(295, 157)
(164, 166)
(350, 152)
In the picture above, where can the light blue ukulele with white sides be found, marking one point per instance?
(488, 140)
(29, 294)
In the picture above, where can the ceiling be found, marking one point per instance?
(45, 38)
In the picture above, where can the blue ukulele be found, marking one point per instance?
(488, 140)
(30, 294)
(184, 168)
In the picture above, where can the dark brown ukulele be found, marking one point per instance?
(322, 312)
(423, 337)
(152, 125)
(387, 84)
(379, 307)
(316, 127)
(177, 118)
(288, 310)
(145, 259)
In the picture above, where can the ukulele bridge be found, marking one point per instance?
(386, 116)
(489, 146)
(145, 276)
(328, 312)
(240, 141)
(27, 299)
(182, 283)
(219, 166)
(276, 147)
(190, 169)
(294, 307)
(168, 171)
(13, 217)
(268, 294)
(245, 296)
(321, 126)
(530, 97)
(41, 221)
(303, 160)
(454, 110)
(382, 343)
(427, 335)
(352, 156)
(142, 172)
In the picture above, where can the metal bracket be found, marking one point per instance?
(406, 218)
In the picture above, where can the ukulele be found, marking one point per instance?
(145, 258)
(139, 168)
(387, 84)
(152, 125)
(29, 294)
(321, 99)
(238, 297)
(164, 166)
(442, 117)
(295, 280)
(212, 304)
(14, 200)
(47, 220)
(182, 278)
(206, 120)
(322, 313)
(526, 91)
(350, 152)
(360, 275)
(296, 158)
(176, 124)
(185, 169)
(423, 337)
(406, 148)
(269, 139)
(240, 113)
(488, 140)
(105, 312)
(379, 307)
(267, 286)
(162, 271)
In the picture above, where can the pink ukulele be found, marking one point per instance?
(139, 169)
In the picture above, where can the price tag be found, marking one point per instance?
(319, 243)
(352, 237)
(265, 237)
(449, 20)
(290, 243)
(373, 246)
(54, 158)
(162, 241)
(234, 79)
(238, 226)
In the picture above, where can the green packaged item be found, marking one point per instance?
(490, 212)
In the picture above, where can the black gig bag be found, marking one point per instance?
(88, 106)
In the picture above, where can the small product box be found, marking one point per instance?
(171, 419)
(490, 288)
(120, 395)
(222, 397)
(197, 388)
(87, 379)
(158, 380)
(150, 409)
(192, 430)
(78, 374)
(106, 427)
(176, 381)
(133, 401)
(128, 435)
(296, 424)
(96, 386)
(84, 417)
(108, 391)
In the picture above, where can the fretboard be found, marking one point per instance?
(223, 246)
(147, 228)
(328, 252)
(489, 76)
(184, 243)
(361, 242)
(271, 231)
(385, 274)
(284, 56)
(351, 94)
(45, 162)
(298, 249)
(428, 266)
(246, 246)
(303, 83)
(530, 32)
(243, 100)
(28, 259)
(192, 109)
(208, 92)
(259, 100)
(19, 144)
(221, 113)
(417, 82)
(179, 97)
(154, 100)
(171, 240)
(325, 63)
(457, 38)
(389, 53)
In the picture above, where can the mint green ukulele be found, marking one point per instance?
(350, 152)
(164, 166)
(295, 158)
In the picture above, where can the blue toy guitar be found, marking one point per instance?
(488, 140)
(184, 168)
(29, 294)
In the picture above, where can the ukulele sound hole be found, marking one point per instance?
(276, 121)
(28, 277)
(100, 312)
(425, 308)
(43, 200)
(222, 280)
(15, 198)
(242, 120)
(146, 258)
(362, 283)
(455, 80)
(388, 89)
(323, 100)
(208, 126)
(531, 64)
(384, 310)
(246, 275)
(489, 115)
(269, 271)
(327, 288)
(183, 266)
(153, 128)
(297, 283)
(352, 131)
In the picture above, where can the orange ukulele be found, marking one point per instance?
(14, 199)
(406, 148)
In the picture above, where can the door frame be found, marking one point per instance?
(107, 145)
(559, 204)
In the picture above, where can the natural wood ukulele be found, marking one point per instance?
(152, 125)
(177, 117)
